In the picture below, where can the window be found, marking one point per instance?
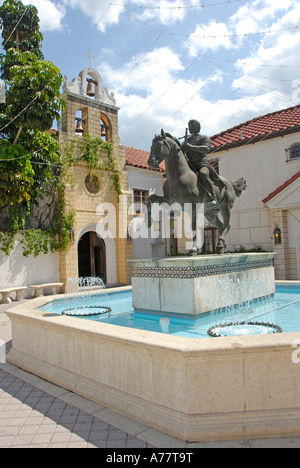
(140, 198)
(293, 152)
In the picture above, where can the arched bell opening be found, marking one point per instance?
(105, 128)
(81, 121)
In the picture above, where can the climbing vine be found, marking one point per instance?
(98, 156)
(49, 212)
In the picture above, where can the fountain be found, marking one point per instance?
(250, 309)
(78, 289)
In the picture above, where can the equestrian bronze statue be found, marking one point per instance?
(190, 178)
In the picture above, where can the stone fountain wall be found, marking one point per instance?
(187, 285)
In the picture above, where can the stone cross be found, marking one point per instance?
(91, 56)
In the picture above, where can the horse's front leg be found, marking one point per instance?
(213, 219)
(223, 229)
(221, 246)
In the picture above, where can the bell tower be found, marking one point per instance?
(91, 110)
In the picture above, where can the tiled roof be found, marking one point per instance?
(281, 188)
(139, 158)
(261, 128)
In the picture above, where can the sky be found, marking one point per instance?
(218, 61)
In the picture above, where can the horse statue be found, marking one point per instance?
(182, 186)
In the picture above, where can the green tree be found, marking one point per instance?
(29, 154)
(33, 84)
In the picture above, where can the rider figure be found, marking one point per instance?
(196, 147)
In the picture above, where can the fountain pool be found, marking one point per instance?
(194, 389)
(286, 302)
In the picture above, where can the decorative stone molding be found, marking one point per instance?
(79, 86)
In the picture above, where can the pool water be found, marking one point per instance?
(286, 301)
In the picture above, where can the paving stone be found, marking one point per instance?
(30, 417)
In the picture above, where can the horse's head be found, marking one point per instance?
(160, 150)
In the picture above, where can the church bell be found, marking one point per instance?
(79, 128)
(90, 89)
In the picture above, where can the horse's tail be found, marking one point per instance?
(239, 186)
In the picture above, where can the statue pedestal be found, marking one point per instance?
(188, 285)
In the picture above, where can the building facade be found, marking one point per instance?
(266, 151)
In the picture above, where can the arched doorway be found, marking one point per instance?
(92, 256)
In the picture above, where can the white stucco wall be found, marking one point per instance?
(143, 179)
(17, 270)
(264, 166)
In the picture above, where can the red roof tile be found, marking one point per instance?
(281, 188)
(139, 158)
(261, 128)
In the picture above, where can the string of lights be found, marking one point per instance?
(48, 84)
(175, 7)
(200, 55)
(248, 64)
(136, 64)
(109, 5)
(219, 148)
(215, 36)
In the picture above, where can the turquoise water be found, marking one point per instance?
(286, 301)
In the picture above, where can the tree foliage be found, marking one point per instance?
(33, 170)
(20, 27)
(29, 153)
(33, 84)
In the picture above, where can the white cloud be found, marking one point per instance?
(210, 36)
(272, 64)
(154, 90)
(102, 13)
(150, 73)
(166, 12)
(51, 14)
(156, 94)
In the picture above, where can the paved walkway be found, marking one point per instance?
(37, 414)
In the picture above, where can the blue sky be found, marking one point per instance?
(167, 61)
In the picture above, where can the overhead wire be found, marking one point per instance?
(215, 36)
(48, 84)
(263, 137)
(17, 24)
(177, 7)
(200, 55)
(109, 5)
